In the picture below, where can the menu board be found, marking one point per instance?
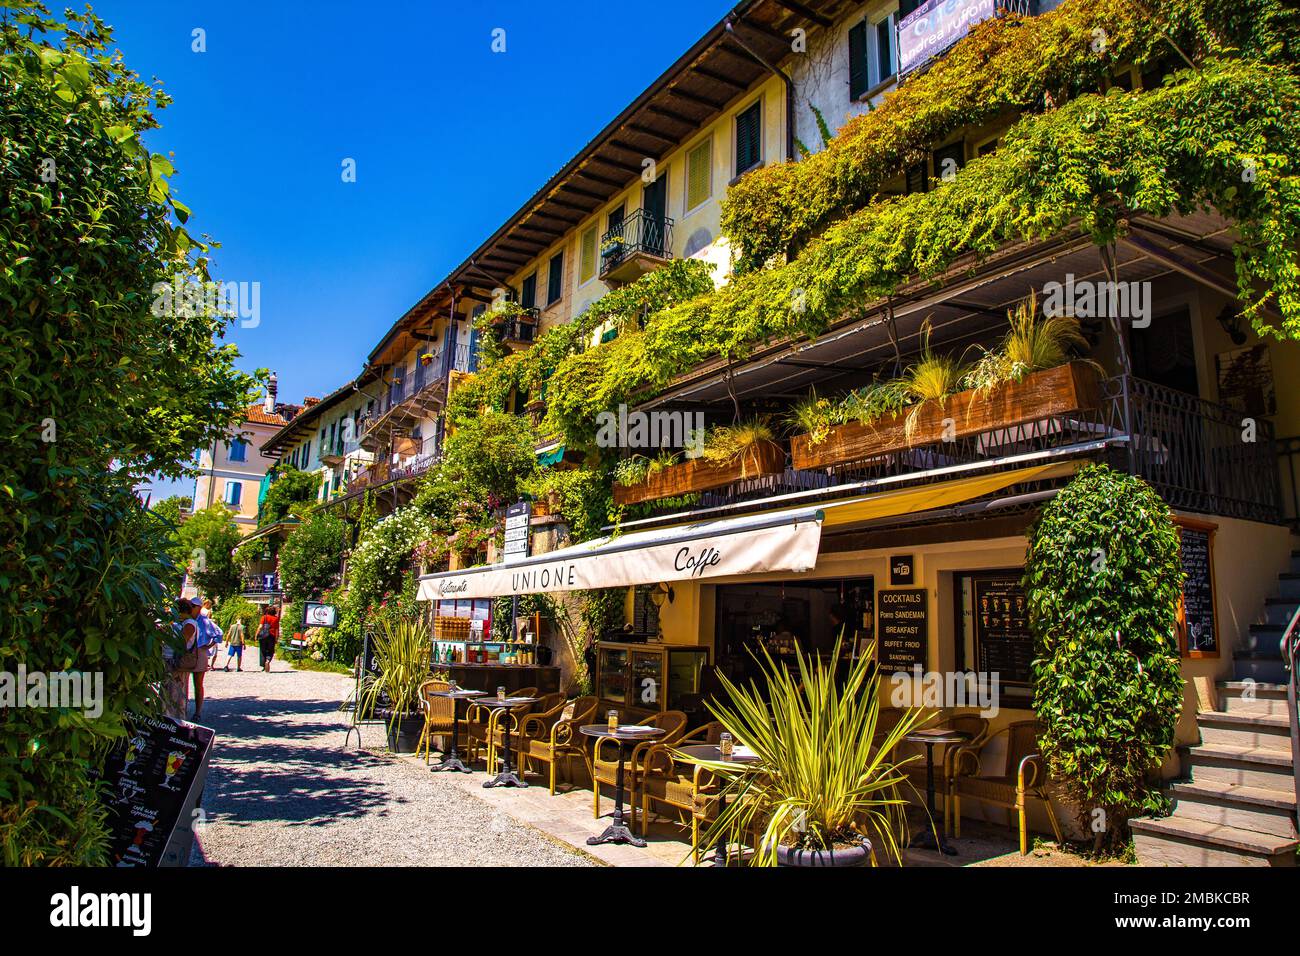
(1003, 642)
(1196, 618)
(645, 615)
(153, 780)
(904, 628)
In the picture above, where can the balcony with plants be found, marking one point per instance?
(639, 244)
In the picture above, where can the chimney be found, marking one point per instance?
(270, 395)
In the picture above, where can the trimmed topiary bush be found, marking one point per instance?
(1103, 577)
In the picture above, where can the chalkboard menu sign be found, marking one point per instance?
(904, 628)
(1198, 631)
(645, 615)
(1002, 639)
(151, 779)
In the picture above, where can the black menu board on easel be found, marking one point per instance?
(903, 617)
(1002, 638)
(151, 781)
(645, 615)
(1197, 626)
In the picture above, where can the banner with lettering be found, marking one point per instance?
(935, 26)
(618, 562)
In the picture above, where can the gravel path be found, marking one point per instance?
(282, 790)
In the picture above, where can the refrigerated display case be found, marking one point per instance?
(644, 679)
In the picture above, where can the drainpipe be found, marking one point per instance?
(789, 90)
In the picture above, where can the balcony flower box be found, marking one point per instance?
(699, 474)
(1055, 391)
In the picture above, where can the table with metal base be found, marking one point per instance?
(618, 832)
(451, 758)
(507, 777)
(926, 839)
(714, 752)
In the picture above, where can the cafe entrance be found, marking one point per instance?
(786, 617)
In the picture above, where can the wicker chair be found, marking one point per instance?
(603, 763)
(671, 782)
(978, 729)
(547, 704)
(439, 712)
(480, 726)
(551, 737)
(1021, 775)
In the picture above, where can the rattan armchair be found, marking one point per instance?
(547, 704)
(1021, 775)
(439, 712)
(552, 737)
(670, 782)
(480, 726)
(604, 760)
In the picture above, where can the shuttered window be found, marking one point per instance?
(699, 174)
(749, 134)
(859, 79)
(555, 279)
(528, 291)
(587, 264)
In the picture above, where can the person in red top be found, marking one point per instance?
(268, 633)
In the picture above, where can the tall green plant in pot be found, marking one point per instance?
(825, 789)
(401, 651)
(1103, 575)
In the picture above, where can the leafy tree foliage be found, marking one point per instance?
(97, 392)
(290, 489)
(208, 540)
(1103, 577)
(311, 554)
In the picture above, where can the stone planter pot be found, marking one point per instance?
(846, 856)
(403, 736)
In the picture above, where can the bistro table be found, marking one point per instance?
(714, 752)
(941, 735)
(617, 832)
(507, 776)
(451, 759)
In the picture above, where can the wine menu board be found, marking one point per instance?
(904, 628)
(645, 616)
(1200, 637)
(1002, 638)
(150, 778)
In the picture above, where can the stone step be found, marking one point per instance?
(1262, 665)
(1243, 766)
(1262, 731)
(1171, 841)
(1243, 808)
(1288, 584)
(1264, 638)
(1255, 697)
(1279, 610)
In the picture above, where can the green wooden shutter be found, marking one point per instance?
(748, 130)
(858, 82)
(555, 278)
(698, 165)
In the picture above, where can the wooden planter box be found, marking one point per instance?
(1054, 391)
(698, 474)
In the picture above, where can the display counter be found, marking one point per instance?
(641, 679)
(488, 677)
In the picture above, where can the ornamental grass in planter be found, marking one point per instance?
(401, 650)
(825, 789)
(732, 453)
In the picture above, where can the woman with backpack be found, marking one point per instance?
(268, 633)
(198, 633)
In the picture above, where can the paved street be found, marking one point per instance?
(283, 790)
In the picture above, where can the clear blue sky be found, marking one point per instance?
(449, 139)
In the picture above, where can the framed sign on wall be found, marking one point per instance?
(1198, 629)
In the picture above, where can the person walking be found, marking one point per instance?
(198, 633)
(235, 645)
(268, 633)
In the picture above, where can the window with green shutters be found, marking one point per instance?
(699, 174)
(587, 264)
(528, 291)
(859, 75)
(749, 134)
(555, 279)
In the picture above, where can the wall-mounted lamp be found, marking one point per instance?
(661, 593)
(1230, 320)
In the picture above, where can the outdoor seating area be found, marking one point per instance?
(664, 797)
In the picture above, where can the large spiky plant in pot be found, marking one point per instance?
(826, 787)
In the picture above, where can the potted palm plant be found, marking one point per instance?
(401, 651)
(825, 788)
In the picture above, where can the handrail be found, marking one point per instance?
(1290, 649)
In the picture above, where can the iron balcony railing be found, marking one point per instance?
(1195, 453)
(261, 583)
(638, 233)
(521, 328)
(452, 357)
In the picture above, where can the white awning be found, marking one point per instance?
(751, 544)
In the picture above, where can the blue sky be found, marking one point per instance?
(449, 138)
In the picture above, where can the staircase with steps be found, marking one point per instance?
(1239, 807)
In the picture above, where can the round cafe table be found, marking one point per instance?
(617, 832)
(714, 752)
(941, 735)
(451, 759)
(507, 776)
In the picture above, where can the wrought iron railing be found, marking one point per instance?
(1196, 454)
(261, 583)
(639, 232)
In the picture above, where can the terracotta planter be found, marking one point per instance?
(1051, 392)
(766, 458)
